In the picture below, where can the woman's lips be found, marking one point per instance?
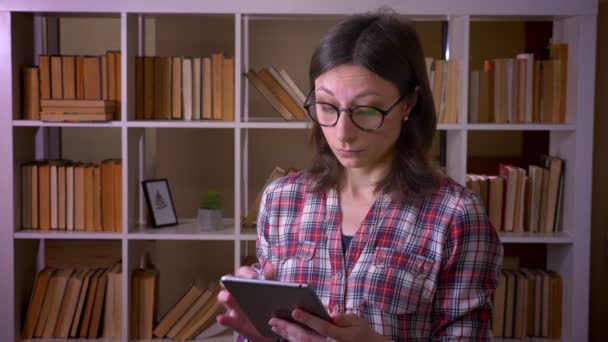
(346, 153)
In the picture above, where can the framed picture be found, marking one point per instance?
(160, 202)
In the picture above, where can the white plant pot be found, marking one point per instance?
(209, 219)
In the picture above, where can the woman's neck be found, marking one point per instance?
(359, 183)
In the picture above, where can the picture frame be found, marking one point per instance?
(159, 202)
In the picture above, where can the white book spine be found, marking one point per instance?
(54, 193)
(509, 67)
(196, 88)
(529, 84)
(69, 196)
(187, 88)
(474, 97)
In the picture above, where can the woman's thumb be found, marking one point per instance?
(269, 271)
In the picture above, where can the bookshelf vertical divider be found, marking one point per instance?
(7, 210)
(458, 47)
(239, 166)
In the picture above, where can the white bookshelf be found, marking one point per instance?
(574, 22)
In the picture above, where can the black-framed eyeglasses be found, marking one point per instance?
(366, 118)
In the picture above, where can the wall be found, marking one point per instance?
(598, 305)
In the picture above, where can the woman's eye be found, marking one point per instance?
(327, 108)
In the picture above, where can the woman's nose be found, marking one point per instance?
(345, 129)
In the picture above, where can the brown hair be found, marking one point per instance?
(390, 47)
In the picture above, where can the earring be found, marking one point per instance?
(405, 119)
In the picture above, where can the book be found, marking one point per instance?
(31, 93)
(117, 191)
(37, 299)
(176, 88)
(203, 317)
(196, 88)
(68, 77)
(294, 87)
(87, 312)
(207, 98)
(177, 311)
(187, 86)
(107, 196)
(88, 198)
(228, 89)
(213, 330)
(281, 94)
(139, 88)
(60, 282)
(61, 195)
(277, 77)
(69, 303)
(44, 63)
(205, 298)
(26, 195)
(81, 301)
(255, 81)
(147, 282)
(69, 196)
(217, 66)
(149, 88)
(498, 301)
(92, 78)
(56, 78)
(44, 195)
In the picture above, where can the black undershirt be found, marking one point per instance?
(346, 242)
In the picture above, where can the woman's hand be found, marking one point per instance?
(234, 318)
(344, 327)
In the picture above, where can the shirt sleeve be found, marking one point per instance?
(471, 264)
(262, 249)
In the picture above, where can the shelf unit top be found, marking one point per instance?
(412, 7)
(282, 125)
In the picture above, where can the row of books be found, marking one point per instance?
(518, 201)
(66, 302)
(184, 88)
(444, 84)
(68, 77)
(66, 195)
(520, 89)
(193, 315)
(279, 89)
(527, 303)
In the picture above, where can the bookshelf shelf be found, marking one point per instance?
(37, 123)
(527, 237)
(62, 234)
(180, 124)
(449, 127)
(276, 125)
(187, 229)
(235, 157)
(521, 127)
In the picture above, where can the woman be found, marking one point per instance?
(394, 249)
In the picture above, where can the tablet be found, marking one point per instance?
(261, 300)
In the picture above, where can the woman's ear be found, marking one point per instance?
(410, 103)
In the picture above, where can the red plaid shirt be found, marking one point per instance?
(415, 272)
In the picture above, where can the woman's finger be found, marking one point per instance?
(247, 272)
(293, 332)
(317, 324)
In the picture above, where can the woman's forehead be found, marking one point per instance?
(352, 79)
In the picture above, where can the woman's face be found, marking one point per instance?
(352, 85)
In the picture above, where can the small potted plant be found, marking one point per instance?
(210, 211)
